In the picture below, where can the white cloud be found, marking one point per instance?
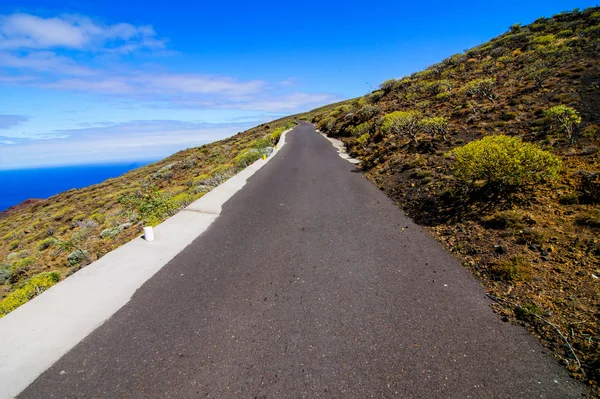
(44, 61)
(288, 82)
(135, 140)
(25, 31)
(290, 102)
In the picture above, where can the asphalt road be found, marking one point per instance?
(310, 284)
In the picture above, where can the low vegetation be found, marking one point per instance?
(496, 152)
(51, 239)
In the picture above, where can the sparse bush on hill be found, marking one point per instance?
(361, 129)
(368, 111)
(523, 73)
(31, 288)
(482, 88)
(402, 123)
(150, 204)
(435, 126)
(77, 256)
(389, 85)
(247, 157)
(438, 86)
(567, 118)
(539, 72)
(504, 164)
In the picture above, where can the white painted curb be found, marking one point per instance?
(340, 147)
(37, 334)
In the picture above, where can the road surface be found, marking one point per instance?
(310, 284)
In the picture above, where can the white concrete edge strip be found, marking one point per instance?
(40, 332)
(340, 147)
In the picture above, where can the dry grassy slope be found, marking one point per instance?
(552, 230)
(98, 219)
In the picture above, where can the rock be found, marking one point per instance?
(505, 319)
(533, 247)
(546, 258)
(500, 249)
(544, 253)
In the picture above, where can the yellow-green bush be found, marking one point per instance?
(361, 129)
(362, 140)
(504, 163)
(514, 270)
(402, 123)
(566, 118)
(247, 157)
(32, 287)
(46, 243)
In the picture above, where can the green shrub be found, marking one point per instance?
(4, 273)
(435, 126)
(505, 59)
(539, 73)
(438, 86)
(23, 263)
(443, 96)
(504, 163)
(389, 85)
(567, 118)
(112, 232)
(363, 128)
(150, 204)
(19, 268)
(276, 134)
(543, 40)
(46, 243)
(327, 125)
(77, 256)
(362, 140)
(481, 88)
(376, 96)
(565, 33)
(402, 123)
(505, 220)
(368, 111)
(528, 311)
(247, 157)
(515, 269)
(31, 288)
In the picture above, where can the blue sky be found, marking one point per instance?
(101, 81)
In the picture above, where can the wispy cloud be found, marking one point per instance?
(135, 140)
(102, 63)
(25, 31)
(43, 61)
(8, 121)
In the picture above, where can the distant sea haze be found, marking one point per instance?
(20, 184)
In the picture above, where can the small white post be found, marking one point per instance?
(148, 233)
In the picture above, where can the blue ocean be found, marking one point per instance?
(20, 184)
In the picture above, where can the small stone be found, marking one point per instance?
(544, 253)
(546, 258)
(500, 249)
(505, 319)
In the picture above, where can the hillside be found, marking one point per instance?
(535, 246)
(48, 240)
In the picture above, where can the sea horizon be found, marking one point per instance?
(42, 182)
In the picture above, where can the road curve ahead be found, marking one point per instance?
(310, 284)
